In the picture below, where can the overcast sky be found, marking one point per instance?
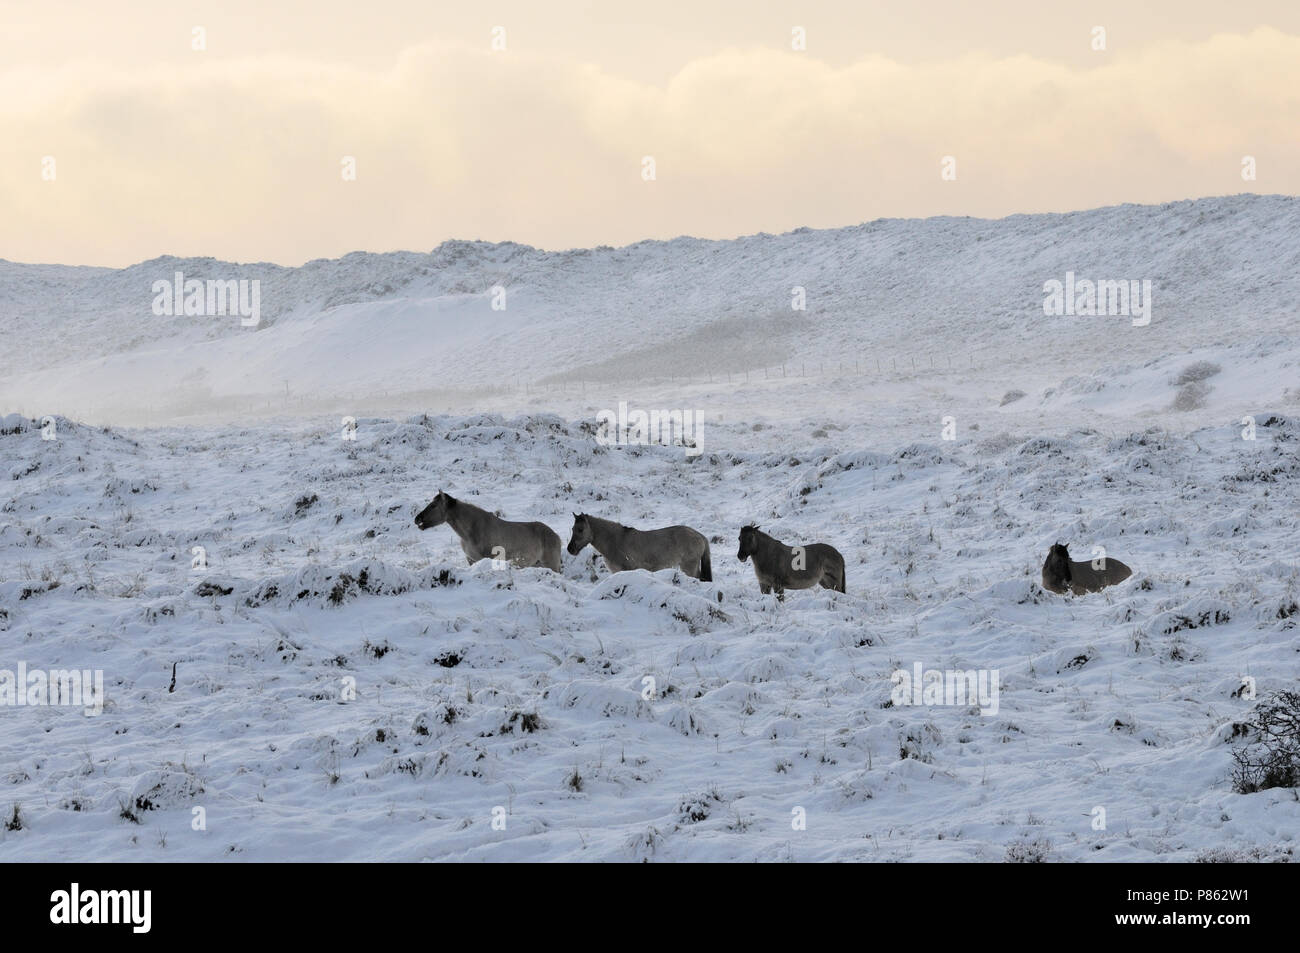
(119, 141)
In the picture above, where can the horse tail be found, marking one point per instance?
(844, 577)
(706, 568)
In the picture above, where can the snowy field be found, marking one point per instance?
(347, 688)
(479, 688)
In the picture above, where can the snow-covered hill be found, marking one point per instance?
(887, 301)
(923, 415)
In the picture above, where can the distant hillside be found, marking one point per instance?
(1223, 272)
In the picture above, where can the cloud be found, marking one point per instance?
(241, 158)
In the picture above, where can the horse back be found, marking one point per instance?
(686, 533)
(826, 553)
(543, 531)
(1086, 579)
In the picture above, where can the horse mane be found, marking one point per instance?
(601, 519)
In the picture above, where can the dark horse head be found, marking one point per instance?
(748, 542)
(1056, 568)
(435, 514)
(581, 533)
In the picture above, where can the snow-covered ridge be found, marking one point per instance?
(1225, 272)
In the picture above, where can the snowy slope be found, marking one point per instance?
(479, 688)
(882, 297)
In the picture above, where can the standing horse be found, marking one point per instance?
(1061, 574)
(626, 548)
(780, 567)
(485, 536)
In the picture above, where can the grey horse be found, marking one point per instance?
(780, 567)
(485, 536)
(1061, 574)
(626, 548)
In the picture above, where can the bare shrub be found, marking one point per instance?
(1271, 759)
(1191, 396)
(1198, 371)
(1023, 850)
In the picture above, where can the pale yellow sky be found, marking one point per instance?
(236, 151)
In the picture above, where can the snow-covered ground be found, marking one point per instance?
(484, 693)
(479, 688)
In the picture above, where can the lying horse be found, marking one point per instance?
(485, 536)
(626, 548)
(780, 567)
(1060, 574)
